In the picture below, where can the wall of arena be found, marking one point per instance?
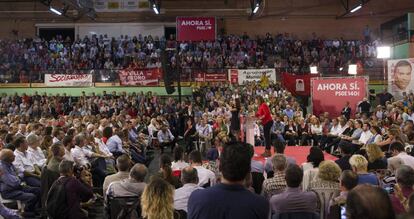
(328, 28)
(76, 91)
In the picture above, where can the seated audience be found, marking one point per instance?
(189, 179)
(293, 199)
(347, 181)
(179, 162)
(25, 165)
(75, 191)
(11, 186)
(376, 158)
(403, 189)
(206, 178)
(397, 150)
(326, 185)
(277, 183)
(123, 163)
(224, 200)
(368, 202)
(157, 200)
(166, 172)
(359, 165)
(57, 152)
(346, 153)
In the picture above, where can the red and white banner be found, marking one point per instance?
(297, 85)
(196, 28)
(331, 94)
(142, 77)
(63, 80)
(242, 76)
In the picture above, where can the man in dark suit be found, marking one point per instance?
(346, 111)
(346, 152)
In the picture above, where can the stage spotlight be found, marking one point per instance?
(383, 52)
(314, 70)
(55, 11)
(155, 5)
(352, 69)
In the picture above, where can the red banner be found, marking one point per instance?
(331, 94)
(298, 85)
(142, 77)
(196, 28)
(215, 77)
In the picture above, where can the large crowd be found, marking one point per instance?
(63, 154)
(285, 52)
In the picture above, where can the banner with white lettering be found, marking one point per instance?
(196, 28)
(63, 80)
(242, 76)
(143, 77)
(331, 94)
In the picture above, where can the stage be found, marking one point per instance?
(298, 152)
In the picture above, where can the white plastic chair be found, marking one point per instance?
(20, 205)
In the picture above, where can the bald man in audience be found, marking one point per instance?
(189, 178)
(11, 187)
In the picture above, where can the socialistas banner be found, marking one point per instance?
(196, 28)
(242, 76)
(331, 94)
(142, 77)
(72, 80)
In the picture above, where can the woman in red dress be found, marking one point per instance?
(265, 116)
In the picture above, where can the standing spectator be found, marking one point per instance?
(364, 107)
(224, 200)
(346, 111)
(189, 179)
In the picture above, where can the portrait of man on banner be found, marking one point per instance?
(300, 85)
(401, 78)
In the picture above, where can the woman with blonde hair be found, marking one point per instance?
(359, 164)
(326, 185)
(376, 157)
(157, 200)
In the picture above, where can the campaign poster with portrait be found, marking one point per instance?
(400, 77)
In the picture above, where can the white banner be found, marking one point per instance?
(400, 77)
(61, 80)
(248, 75)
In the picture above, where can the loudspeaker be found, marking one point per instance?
(168, 73)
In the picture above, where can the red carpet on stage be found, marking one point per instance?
(298, 152)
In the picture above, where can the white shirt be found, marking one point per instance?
(37, 156)
(179, 165)
(68, 156)
(81, 155)
(54, 140)
(407, 159)
(22, 162)
(365, 136)
(102, 147)
(205, 176)
(182, 195)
